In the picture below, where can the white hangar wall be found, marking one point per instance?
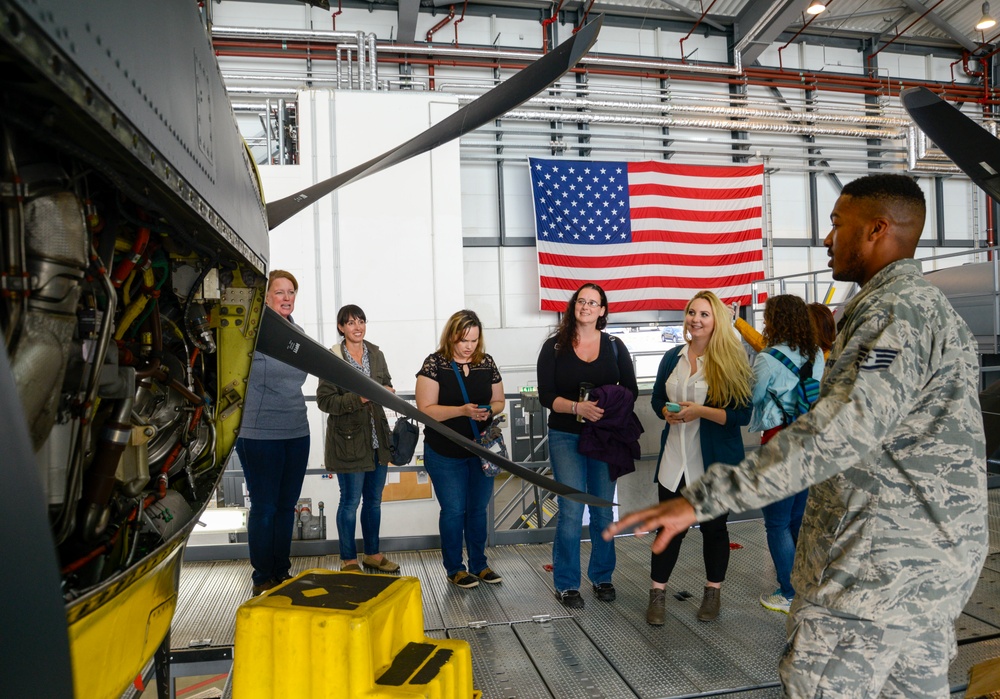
(421, 240)
(390, 243)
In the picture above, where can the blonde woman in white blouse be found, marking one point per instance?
(702, 391)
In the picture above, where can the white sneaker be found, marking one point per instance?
(776, 602)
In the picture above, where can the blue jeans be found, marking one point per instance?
(353, 487)
(274, 469)
(782, 520)
(591, 476)
(464, 493)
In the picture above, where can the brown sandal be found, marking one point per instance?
(383, 565)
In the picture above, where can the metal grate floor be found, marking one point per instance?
(525, 644)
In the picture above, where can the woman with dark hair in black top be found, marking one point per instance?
(462, 489)
(579, 355)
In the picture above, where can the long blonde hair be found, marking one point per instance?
(727, 370)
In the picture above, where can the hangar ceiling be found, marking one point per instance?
(943, 24)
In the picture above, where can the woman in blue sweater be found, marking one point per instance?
(273, 448)
(702, 391)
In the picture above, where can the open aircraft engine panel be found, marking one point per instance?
(133, 247)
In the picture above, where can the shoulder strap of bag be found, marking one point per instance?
(780, 356)
(465, 394)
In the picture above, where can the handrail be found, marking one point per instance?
(813, 279)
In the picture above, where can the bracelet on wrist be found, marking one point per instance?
(575, 404)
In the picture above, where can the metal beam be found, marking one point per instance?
(942, 24)
(692, 13)
(760, 22)
(837, 19)
(406, 13)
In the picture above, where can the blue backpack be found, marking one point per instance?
(806, 390)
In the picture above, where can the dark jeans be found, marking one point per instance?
(274, 469)
(782, 520)
(464, 493)
(363, 487)
(715, 546)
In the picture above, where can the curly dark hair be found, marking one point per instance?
(566, 332)
(786, 321)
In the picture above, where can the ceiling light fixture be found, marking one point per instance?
(816, 7)
(987, 22)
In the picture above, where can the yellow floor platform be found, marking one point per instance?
(331, 634)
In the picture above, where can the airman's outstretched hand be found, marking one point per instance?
(673, 516)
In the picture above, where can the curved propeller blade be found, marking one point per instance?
(280, 339)
(974, 149)
(527, 83)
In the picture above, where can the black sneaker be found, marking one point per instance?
(487, 575)
(605, 592)
(571, 599)
(463, 580)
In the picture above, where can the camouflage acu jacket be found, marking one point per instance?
(894, 452)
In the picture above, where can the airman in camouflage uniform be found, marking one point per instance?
(894, 533)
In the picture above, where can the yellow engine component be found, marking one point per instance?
(327, 634)
(115, 629)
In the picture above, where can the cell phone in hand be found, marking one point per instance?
(483, 407)
(673, 408)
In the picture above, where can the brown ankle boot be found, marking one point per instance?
(710, 603)
(656, 613)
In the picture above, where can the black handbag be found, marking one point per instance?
(404, 441)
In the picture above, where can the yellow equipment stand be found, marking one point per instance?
(330, 634)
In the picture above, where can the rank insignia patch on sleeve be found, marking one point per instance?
(876, 359)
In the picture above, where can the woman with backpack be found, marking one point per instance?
(702, 392)
(358, 445)
(779, 397)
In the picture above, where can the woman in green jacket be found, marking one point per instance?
(357, 444)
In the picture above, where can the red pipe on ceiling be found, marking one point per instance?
(899, 34)
(334, 15)
(756, 76)
(546, 23)
(703, 14)
(432, 30)
(460, 20)
(586, 13)
(811, 18)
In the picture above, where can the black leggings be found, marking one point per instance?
(715, 548)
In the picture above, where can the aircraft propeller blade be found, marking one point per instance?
(974, 149)
(280, 339)
(528, 82)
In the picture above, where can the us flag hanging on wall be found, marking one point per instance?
(650, 233)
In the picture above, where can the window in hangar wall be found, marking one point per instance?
(647, 342)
